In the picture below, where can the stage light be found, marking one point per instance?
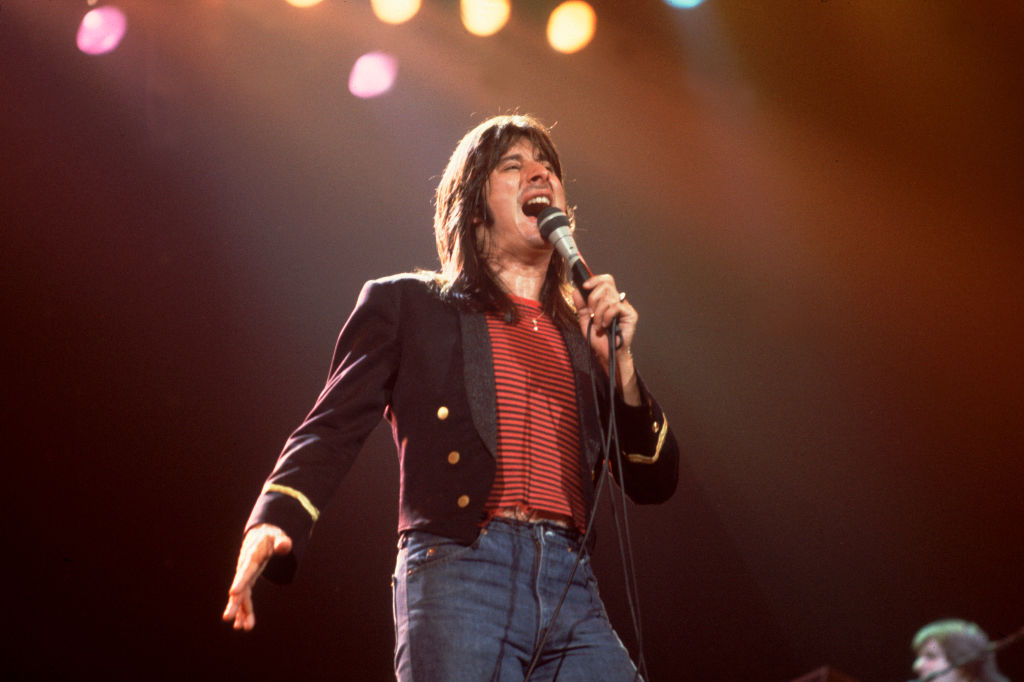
(101, 30)
(303, 3)
(571, 26)
(684, 4)
(484, 17)
(395, 11)
(373, 74)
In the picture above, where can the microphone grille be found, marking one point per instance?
(550, 219)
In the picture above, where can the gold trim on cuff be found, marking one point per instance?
(292, 492)
(651, 459)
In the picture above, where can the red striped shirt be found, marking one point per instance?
(538, 427)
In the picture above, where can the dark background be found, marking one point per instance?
(815, 206)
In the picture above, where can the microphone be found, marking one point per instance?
(554, 226)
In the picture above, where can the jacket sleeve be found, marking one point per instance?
(649, 452)
(322, 449)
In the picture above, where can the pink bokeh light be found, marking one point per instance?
(373, 74)
(101, 30)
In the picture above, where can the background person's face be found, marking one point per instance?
(931, 658)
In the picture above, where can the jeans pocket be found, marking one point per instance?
(423, 550)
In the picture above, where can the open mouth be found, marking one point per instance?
(535, 205)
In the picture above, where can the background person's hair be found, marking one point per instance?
(461, 204)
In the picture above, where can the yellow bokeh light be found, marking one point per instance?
(571, 26)
(395, 11)
(484, 17)
(303, 3)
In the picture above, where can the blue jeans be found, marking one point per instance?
(476, 613)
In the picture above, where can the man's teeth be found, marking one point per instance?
(536, 205)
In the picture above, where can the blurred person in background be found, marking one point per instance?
(954, 650)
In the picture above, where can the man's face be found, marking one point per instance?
(930, 659)
(520, 186)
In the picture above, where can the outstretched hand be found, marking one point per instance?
(260, 544)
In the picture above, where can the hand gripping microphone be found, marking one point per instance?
(554, 226)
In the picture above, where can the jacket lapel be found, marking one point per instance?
(478, 373)
(579, 355)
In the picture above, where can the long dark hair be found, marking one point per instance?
(461, 203)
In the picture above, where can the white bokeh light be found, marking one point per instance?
(484, 17)
(395, 11)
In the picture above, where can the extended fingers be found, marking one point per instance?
(258, 547)
(239, 611)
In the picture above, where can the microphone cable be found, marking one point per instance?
(626, 556)
(610, 444)
(622, 525)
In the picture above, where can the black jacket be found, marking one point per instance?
(426, 365)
